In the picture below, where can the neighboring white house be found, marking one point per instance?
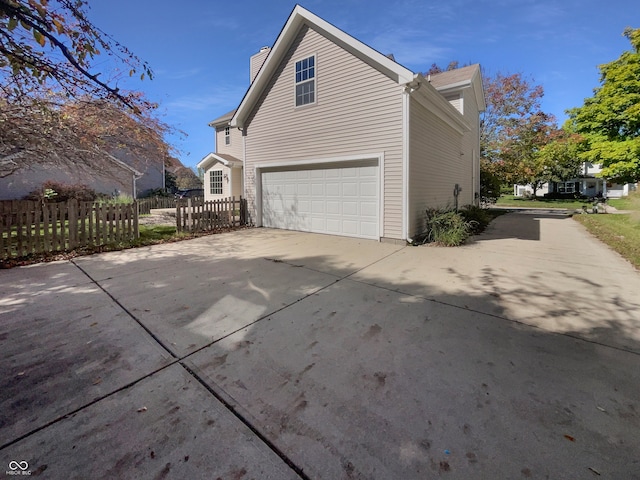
(334, 137)
(588, 184)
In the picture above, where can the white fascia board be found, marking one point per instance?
(298, 17)
(427, 96)
(478, 90)
(212, 158)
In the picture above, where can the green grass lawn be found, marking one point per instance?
(620, 231)
(150, 234)
(540, 202)
(632, 202)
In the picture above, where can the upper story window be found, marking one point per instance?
(215, 182)
(227, 136)
(306, 81)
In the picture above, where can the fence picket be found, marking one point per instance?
(32, 227)
(197, 215)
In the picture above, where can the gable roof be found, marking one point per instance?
(300, 16)
(212, 158)
(223, 119)
(458, 79)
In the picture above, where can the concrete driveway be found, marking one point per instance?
(274, 354)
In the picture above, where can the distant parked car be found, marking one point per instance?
(192, 192)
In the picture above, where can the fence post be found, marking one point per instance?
(136, 229)
(178, 217)
(72, 207)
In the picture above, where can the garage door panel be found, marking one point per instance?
(317, 207)
(350, 189)
(342, 200)
(332, 190)
(304, 207)
(371, 172)
(333, 208)
(369, 209)
(369, 189)
(350, 208)
(317, 189)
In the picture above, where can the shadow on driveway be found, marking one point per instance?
(324, 357)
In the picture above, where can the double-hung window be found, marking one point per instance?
(227, 136)
(306, 81)
(215, 182)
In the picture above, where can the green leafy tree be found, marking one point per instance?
(610, 120)
(560, 158)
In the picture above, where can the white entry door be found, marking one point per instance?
(333, 200)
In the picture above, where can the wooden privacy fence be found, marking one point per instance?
(28, 227)
(196, 215)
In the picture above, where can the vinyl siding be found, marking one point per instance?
(435, 165)
(231, 188)
(235, 148)
(358, 110)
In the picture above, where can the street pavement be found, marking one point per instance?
(274, 354)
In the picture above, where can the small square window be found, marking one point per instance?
(305, 81)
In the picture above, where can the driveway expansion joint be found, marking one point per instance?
(127, 311)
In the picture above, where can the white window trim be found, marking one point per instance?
(315, 80)
(211, 184)
(227, 135)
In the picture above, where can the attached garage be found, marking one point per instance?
(337, 199)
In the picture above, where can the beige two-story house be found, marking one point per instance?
(334, 137)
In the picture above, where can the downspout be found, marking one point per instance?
(406, 97)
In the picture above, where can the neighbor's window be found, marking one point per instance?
(566, 187)
(305, 81)
(227, 136)
(215, 182)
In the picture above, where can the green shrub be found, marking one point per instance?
(445, 227)
(477, 217)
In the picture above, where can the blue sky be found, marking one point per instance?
(199, 50)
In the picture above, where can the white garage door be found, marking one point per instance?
(338, 201)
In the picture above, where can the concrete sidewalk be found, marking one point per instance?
(274, 354)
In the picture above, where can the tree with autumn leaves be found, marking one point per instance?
(54, 105)
(520, 143)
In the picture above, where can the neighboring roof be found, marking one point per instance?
(223, 158)
(460, 78)
(462, 75)
(300, 16)
(222, 120)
